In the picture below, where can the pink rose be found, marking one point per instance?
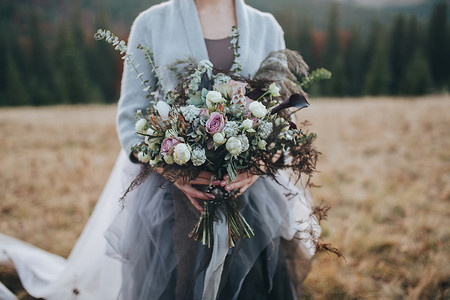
(215, 123)
(168, 145)
(237, 87)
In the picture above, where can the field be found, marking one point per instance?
(384, 170)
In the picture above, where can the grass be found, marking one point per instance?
(385, 171)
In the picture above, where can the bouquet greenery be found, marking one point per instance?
(224, 124)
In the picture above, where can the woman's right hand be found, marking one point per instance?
(204, 178)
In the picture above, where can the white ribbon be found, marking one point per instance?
(215, 267)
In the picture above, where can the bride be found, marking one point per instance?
(143, 251)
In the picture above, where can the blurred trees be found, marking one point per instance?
(50, 59)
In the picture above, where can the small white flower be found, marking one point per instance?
(247, 124)
(274, 90)
(265, 129)
(168, 159)
(190, 112)
(257, 109)
(234, 146)
(198, 157)
(244, 142)
(143, 157)
(262, 144)
(214, 97)
(231, 129)
(218, 138)
(163, 108)
(181, 154)
(140, 124)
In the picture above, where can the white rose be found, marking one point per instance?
(163, 109)
(149, 140)
(274, 90)
(140, 124)
(233, 146)
(218, 138)
(247, 124)
(168, 159)
(143, 157)
(214, 97)
(262, 144)
(181, 154)
(257, 109)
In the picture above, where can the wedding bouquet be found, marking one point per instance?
(224, 124)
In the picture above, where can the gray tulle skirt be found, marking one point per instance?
(160, 261)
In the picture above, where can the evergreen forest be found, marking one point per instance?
(48, 55)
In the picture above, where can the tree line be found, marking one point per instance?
(41, 64)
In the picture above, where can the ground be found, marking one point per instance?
(384, 170)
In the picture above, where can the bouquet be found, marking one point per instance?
(224, 124)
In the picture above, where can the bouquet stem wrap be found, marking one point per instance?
(224, 206)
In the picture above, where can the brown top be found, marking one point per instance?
(220, 54)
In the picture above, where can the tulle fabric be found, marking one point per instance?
(139, 259)
(142, 237)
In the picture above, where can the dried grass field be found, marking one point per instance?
(384, 170)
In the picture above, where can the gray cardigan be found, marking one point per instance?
(172, 31)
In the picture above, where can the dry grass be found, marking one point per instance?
(385, 170)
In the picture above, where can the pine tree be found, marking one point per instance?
(438, 45)
(332, 58)
(332, 47)
(305, 43)
(417, 79)
(378, 77)
(15, 88)
(71, 69)
(398, 53)
(354, 71)
(103, 64)
(41, 67)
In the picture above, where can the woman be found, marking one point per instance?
(149, 254)
(152, 237)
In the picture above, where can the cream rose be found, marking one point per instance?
(257, 109)
(163, 109)
(143, 157)
(181, 154)
(168, 159)
(234, 146)
(262, 144)
(218, 138)
(214, 97)
(247, 124)
(140, 124)
(274, 90)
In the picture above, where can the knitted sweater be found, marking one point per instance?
(172, 31)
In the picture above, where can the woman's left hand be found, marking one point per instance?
(242, 182)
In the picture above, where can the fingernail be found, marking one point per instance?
(228, 188)
(216, 182)
(211, 196)
(223, 183)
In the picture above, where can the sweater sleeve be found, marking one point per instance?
(132, 96)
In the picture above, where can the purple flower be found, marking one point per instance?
(168, 145)
(215, 123)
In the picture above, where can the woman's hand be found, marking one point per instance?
(242, 183)
(204, 178)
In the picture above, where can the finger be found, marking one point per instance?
(205, 174)
(225, 179)
(193, 192)
(204, 181)
(195, 203)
